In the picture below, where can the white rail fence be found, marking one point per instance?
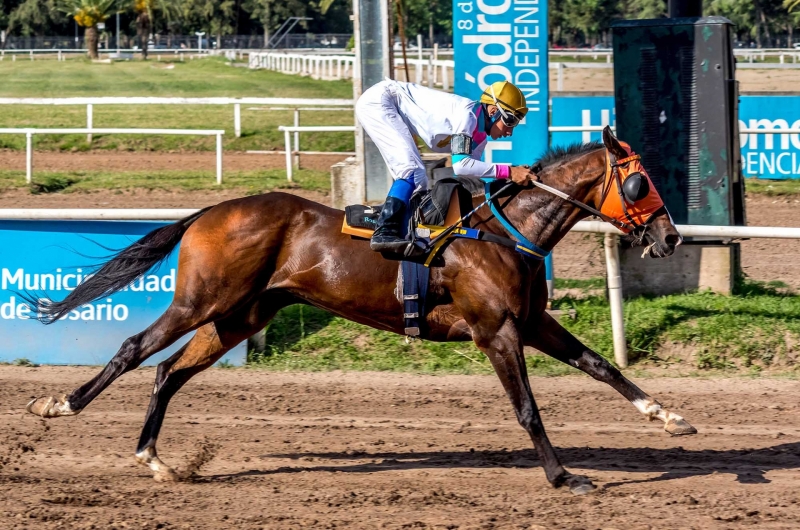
(295, 103)
(611, 244)
(29, 134)
(287, 130)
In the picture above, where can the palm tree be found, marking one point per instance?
(146, 11)
(88, 13)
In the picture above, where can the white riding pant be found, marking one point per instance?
(378, 113)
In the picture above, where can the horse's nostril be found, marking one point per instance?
(672, 240)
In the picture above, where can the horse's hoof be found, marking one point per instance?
(579, 485)
(50, 407)
(679, 427)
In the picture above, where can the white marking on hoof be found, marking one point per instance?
(161, 471)
(51, 407)
(673, 423)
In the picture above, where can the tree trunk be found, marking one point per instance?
(266, 34)
(143, 30)
(430, 23)
(91, 41)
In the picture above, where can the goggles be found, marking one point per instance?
(509, 118)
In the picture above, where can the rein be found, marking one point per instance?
(520, 243)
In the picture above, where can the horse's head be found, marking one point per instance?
(630, 201)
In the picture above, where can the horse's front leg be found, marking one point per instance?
(548, 336)
(503, 346)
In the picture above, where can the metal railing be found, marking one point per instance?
(287, 130)
(236, 102)
(29, 133)
(611, 244)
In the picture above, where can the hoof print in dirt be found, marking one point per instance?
(679, 427)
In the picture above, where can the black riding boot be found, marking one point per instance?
(388, 236)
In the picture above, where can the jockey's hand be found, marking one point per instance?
(521, 175)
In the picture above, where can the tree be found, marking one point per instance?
(212, 16)
(88, 13)
(33, 17)
(146, 11)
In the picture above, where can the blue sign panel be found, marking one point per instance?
(771, 156)
(583, 111)
(50, 258)
(496, 40)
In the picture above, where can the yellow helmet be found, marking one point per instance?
(507, 97)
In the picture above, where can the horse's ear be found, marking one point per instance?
(612, 144)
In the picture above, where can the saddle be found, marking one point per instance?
(430, 213)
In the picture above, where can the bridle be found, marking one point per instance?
(529, 249)
(613, 166)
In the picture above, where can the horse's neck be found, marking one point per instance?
(543, 218)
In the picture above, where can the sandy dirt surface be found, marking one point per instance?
(154, 161)
(602, 80)
(379, 450)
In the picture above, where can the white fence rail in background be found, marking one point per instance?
(316, 66)
(297, 103)
(29, 133)
(287, 130)
(611, 245)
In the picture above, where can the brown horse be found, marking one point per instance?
(243, 260)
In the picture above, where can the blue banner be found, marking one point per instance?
(496, 40)
(773, 156)
(769, 156)
(50, 258)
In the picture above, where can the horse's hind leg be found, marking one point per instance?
(169, 327)
(549, 337)
(210, 343)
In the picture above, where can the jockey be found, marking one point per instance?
(392, 113)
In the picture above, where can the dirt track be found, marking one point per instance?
(374, 450)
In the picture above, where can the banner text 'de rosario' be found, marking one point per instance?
(49, 259)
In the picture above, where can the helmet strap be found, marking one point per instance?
(489, 121)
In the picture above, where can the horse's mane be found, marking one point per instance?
(557, 153)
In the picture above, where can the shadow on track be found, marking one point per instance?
(749, 465)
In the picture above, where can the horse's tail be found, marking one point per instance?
(125, 267)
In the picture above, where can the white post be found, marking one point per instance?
(445, 78)
(237, 119)
(339, 68)
(89, 121)
(219, 158)
(429, 71)
(59, 55)
(418, 66)
(297, 138)
(435, 58)
(560, 86)
(29, 157)
(288, 148)
(615, 299)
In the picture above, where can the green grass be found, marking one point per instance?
(590, 283)
(752, 330)
(209, 77)
(201, 78)
(250, 182)
(309, 339)
(772, 188)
